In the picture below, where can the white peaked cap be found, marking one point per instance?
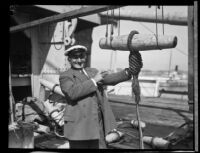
(74, 48)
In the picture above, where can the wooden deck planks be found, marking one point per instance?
(165, 112)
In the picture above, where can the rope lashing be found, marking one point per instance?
(135, 59)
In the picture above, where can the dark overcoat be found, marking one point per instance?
(82, 96)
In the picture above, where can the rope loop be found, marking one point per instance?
(130, 37)
(135, 58)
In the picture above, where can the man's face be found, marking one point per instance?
(77, 60)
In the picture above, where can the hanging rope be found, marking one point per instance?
(119, 23)
(112, 29)
(135, 65)
(106, 35)
(163, 19)
(157, 27)
(111, 38)
(64, 32)
(170, 61)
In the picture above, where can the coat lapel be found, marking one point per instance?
(90, 73)
(77, 74)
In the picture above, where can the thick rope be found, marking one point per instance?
(135, 65)
(135, 59)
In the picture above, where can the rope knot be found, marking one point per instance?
(135, 58)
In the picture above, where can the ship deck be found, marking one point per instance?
(159, 111)
(161, 115)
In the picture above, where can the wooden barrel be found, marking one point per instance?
(141, 42)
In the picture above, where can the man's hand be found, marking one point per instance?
(100, 75)
(104, 73)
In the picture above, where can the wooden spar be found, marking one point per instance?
(139, 42)
(62, 17)
(50, 86)
(177, 18)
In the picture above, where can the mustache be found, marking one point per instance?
(81, 61)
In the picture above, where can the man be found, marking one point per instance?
(88, 116)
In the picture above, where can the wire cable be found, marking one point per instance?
(163, 20)
(170, 61)
(182, 52)
(106, 35)
(147, 28)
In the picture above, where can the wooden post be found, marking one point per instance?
(35, 63)
(193, 67)
(177, 18)
(190, 57)
(196, 75)
(139, 42)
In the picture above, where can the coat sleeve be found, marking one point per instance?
(74, 91)
(115, 78)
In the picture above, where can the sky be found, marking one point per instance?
(154, 60)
